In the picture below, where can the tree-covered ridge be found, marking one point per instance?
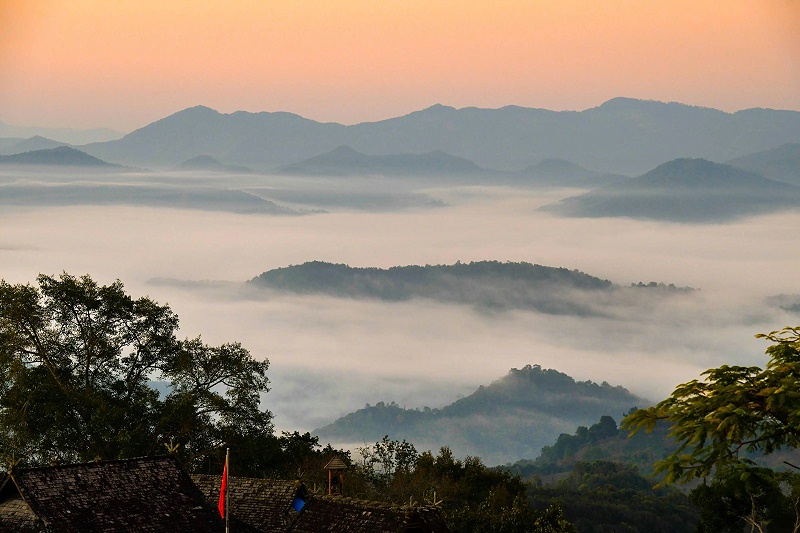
(611, 497)
(604, 441)
(512, 418)
(484, 284)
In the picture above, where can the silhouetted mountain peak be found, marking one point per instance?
(624, 103)
(700, 172)
(439, 108)
(510, 418)
(345, 150)
(59, 156)
(198, 110)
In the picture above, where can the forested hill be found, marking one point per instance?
(485, 284)
(510, 419)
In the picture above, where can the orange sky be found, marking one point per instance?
(123, 64)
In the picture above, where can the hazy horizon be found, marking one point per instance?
(104, 129)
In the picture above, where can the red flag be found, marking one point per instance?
(223, 489)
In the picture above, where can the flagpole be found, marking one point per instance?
(227, 491)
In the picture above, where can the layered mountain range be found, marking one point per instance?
(623, 135)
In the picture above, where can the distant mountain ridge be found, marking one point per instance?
(206, 163)
(781, 163)
(63, 135)
(685, 190)
(28, 145)
(510, 419)
(58, 156)
(344, 161)
(560, 172)
(623, 135)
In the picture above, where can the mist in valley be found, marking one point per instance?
(330, 356)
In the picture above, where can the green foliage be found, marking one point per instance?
(386, 460)
(734, 410)
(740, 496)
(601, 441)
(607, 497)
(567, 445)
(77, 367)
(473, 497)
(519, 517)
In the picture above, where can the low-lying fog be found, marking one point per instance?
(331, 356)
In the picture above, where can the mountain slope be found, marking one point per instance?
(685, 190)
(781, 163)
(28, 145)
(255, 140)
(59, 156)
(510, 419)
(63, 135)
(621, 136)
(206, 163)
(344, 161)
(562, 173)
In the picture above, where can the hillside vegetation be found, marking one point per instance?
(510, 419)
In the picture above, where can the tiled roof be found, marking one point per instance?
(263, 505)
(16, 516)
(143, 495)
(335, 464)
(329, 514)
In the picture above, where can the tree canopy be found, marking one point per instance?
(87, 371)
(735, 409)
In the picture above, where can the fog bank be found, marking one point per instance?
(330, 356)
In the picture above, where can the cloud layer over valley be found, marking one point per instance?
(332, 355)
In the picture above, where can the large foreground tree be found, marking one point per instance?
(87, 372)
(721, 423)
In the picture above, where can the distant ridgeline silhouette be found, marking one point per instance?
(623, 136)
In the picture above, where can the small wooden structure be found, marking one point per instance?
(336, 469)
